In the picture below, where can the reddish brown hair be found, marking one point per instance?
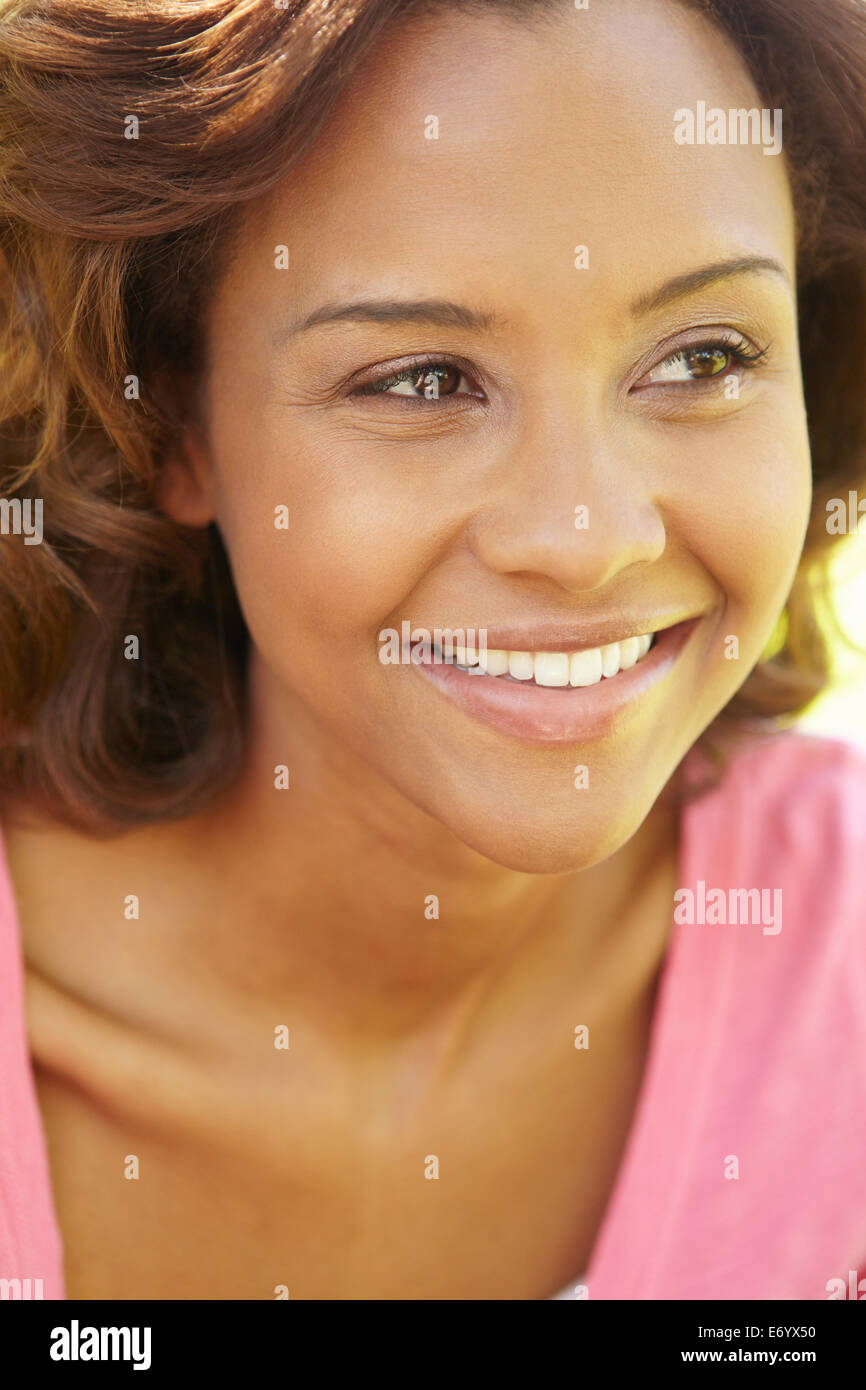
(108, 249)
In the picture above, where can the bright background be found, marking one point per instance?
(841, 713)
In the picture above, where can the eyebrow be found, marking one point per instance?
(694, 280)
(445, 313)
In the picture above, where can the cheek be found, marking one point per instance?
(745, 518)
(360, 534)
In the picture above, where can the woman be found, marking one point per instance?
(525, 964)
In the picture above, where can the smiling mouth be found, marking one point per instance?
(561, 669)
(557, 697)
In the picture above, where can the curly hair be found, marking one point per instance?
(109, 248)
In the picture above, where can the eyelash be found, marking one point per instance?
(379, 385)
(744, 355)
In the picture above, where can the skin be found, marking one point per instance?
(305, 907)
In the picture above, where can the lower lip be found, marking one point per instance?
(563, 714)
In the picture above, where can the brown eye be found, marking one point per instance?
(428, 381)
(704, 362)
(440, 380)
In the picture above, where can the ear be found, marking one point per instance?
(184, 490)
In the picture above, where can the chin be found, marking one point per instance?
(541, 848)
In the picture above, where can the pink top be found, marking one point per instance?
(744, 1175)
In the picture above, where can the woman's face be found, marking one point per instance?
(602, 461)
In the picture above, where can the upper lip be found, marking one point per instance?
(574, 635)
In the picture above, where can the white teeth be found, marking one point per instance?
(586, 668)
(521, 666)
(551, 668)
(495, 663)
(555, 668)
(610, 659)
(465, 656)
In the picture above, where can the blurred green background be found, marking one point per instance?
(841, 712)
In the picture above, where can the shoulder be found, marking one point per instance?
(30, 1243)
(769, 1031)
(786, 755)
(795, 788)
(789, 815)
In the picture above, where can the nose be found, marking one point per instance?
(570, 504)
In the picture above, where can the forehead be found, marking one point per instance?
(549, 133)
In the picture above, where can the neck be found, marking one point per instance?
(368, 906)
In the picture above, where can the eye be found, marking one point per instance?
(421, 381)
(704, 362)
